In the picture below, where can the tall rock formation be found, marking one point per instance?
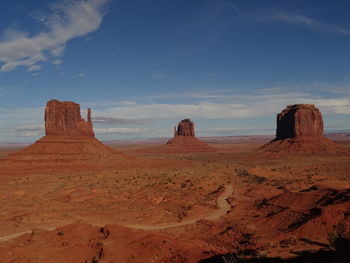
(299, 120)
(185, 128)
(63, 118)
(69, 140)
(300, 130)
(185, 141)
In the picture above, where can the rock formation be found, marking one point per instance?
(184, 128)
(185, 141)
(299, 120)
(69, 140)
(300, 129)
(63, 118)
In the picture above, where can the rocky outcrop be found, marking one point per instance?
(63, 118)
(185, 141)
(314, 213)
(184, 128)
(299, 120)
(300, 130)
(69, 140)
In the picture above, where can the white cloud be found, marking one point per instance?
(34, 68)
(111, 120)
(127, 102)
(237, 113)
(210, 110)
(28, 130)
(57, 62)
(68, 20)
(118, 130)
(303, 20)
(11, 65)
(210, 105)
(80, 75)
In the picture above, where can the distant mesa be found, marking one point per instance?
(299, 120)
(63, 119)
(185, 141)
(300, 130)
(69, 139)
(184, 128)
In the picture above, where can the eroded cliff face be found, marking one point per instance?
(299, 120)
(64, 119)
(185, 128)
(69, 140)
(300, 130)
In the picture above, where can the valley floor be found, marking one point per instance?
(280, 206)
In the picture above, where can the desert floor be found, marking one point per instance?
(280, 205)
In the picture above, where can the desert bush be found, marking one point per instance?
(250, 178)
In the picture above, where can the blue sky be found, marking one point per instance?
(230, 65)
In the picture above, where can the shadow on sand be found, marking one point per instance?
(340, 255)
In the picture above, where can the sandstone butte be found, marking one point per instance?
(300, 130)
(185, 141)
(69, 139)
(63, 119)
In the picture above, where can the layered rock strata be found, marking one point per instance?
(300, 130)
(184, 128)
(69, 140)
(64, 119)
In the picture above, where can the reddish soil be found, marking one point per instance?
(52, 154)
(308, 145)
(74, 206)
(64, 149)
(187, 144)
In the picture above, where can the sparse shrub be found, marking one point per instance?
(250, 178)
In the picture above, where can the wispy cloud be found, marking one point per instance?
(34, 68)
(111, 120)
(212, 104)
(57, 62)
(6, 90)
(67, 20)
(234, 8)
(155, 116)
(80, 75)
(115, 130)
(160, 75)
(252, 107)
(306, 21)
(24, 116)
(25, 130)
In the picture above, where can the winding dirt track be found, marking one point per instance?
(223, 207)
